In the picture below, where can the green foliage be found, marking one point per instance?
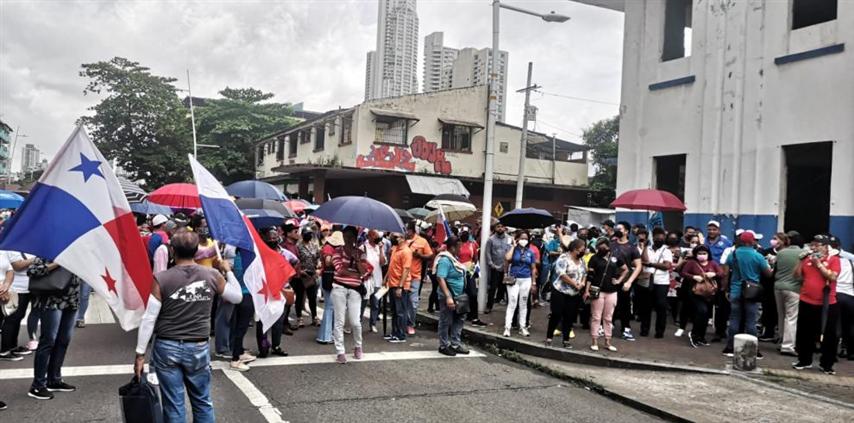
(233, 123)
(140, 121)
(603, 137)
(5, 128)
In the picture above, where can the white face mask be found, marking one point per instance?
(523, 243)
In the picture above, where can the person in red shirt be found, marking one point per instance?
(469, 255)
(819, 270)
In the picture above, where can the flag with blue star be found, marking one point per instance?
(87, 168)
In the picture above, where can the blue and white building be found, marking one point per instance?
(744, 109)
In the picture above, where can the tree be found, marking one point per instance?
(603, 138)
(140, 121)
(233, 123)
(5, 128)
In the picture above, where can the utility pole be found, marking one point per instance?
(12, 155)
(192, 114)
(554, 161)
(523, 149)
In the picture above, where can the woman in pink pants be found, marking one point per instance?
(605, 274)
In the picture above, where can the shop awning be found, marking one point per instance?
(432, 185)
(456, 122)
(393, 114)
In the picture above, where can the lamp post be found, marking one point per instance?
(486, 216)
(12, 155)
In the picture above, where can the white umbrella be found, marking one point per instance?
(453, 211)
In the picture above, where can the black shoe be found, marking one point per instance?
(691, 341)
(478, 323)
(801, 366)
(828, 371)
(459, 349)
(447, 351)
(61, 387)
(22, 351)
(264, 352)
(759, 355)
(10, 356)
(767, 338)
(81, 324)
(3, 405)
(40, 394)
(659, 335)
(567, 345)
(279, 352)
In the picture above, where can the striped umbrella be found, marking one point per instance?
(132, 191)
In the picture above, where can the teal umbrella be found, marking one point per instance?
(10, 200)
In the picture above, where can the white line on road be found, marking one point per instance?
(255, 396)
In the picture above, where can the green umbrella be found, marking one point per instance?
(419, 212)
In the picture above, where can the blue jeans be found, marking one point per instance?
(85, 292)
(222, 327)
(414, 299)
(57, 328)
(738, 308)
(180, 364)
(400, 308)
(450, 324)
(324, 331)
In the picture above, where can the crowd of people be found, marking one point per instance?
(798, 294)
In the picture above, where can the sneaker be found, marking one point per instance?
(279, 352)
(524, 332)
(691, 341)
(558, 333)
(567, 345)
(81, 324)
(801, 366)
(790, 353)
(387, 337)
(396, 340)
(727, 352)
(571, 334)
(247, 358)
(759, 355)
(224, 356)
(410, 330)
(506, 332)
(32, 345)
(594, 347)
(547, 343)
(3, 405)
(459, 349)
(23, 351)
(11, 356)
(40, 394)
(679, 332)
(612, 348)
(238, 366)
(341, 359)
(659, 335)
(828, 371)
(374, 329)
(702, 343)
(357, 353)
(478, 323)
(447, 351)
(627, 335)
(61, 387)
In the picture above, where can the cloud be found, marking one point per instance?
(302, 51)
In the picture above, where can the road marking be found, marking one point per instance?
(255, 396)
(127, 369)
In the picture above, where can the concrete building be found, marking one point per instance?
(446, 67)
(393, 65)
(5, 143)
(743, 109)
(406, 149)
(30, 158)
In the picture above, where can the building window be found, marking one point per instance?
(811, 12)
(346, 131)
(259, 155)
(292, 145)
(304, 137)
(280, 149)
(319, 138)
(391, 132)
(456, 138)
(503, 147)
(331, 125)
(677, 30)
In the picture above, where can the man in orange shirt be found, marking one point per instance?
(421, 252)
(398, 282)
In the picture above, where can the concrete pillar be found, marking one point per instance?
(745, 348)
(303, 187)
(319, 187)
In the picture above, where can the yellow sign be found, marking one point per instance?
(499, 209)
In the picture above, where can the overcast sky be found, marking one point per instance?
(310, 51)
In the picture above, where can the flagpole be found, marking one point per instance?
(192, 114)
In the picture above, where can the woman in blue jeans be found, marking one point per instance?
(58, 314)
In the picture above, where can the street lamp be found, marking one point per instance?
(486, 217)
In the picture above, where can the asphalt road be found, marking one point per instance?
(395, 383)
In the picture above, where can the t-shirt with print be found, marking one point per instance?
(812, 292)
(601, 272)
(186, 294)
(453, 277)
(565, 265)
(662, 255)
(627, 253)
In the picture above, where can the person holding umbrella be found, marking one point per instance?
(523, 270)
(817, 310)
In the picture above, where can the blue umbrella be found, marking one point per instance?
(150, 208)
(360, 211)
(255, 189)
(527, 218)
(262, 218)
(10, 200)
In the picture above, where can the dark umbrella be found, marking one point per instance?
(255, 189)
(132, 191)
(360, 211)
(262, 218)
(419, 212)
(145, 207)
(259, 204)
(649, 199)
(527, 218)
(405, 216)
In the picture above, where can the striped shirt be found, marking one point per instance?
(346, 269)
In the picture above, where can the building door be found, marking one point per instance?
(807, 179)
(670, 176)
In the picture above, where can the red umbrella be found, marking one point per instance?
(179, 196)
(649, 199)
(297, 205)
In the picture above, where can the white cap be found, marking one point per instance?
(159, 220)
(714, 223)
(756, 236)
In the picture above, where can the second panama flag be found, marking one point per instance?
(266, 271)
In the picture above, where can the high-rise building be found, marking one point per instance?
(438, 60)
(446, 67)
(392, 68)
(29, 158)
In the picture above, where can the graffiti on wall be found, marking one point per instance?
(401, 158)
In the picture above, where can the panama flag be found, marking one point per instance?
(77, 215)
(442, 231)
(266, 271)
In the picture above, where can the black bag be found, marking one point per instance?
(750, 291)
(326, 279)
(462, 302)
(54, 283)
(140, 402)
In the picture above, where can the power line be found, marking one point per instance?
(570, 97)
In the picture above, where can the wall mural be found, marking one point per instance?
(401, 158)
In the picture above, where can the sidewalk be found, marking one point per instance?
(668, 353)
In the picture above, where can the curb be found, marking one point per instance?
(484, 339)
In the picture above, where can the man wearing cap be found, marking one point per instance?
(716, 242)
(158, 234)
(819, 270)
(746, 264)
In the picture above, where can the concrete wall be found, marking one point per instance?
(740, 110)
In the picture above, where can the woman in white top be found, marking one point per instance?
(375, 254)
(9, 349)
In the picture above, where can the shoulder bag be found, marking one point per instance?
(463, 305)
(53, 283)
(750, 290)
(706, 288)
(594, 290)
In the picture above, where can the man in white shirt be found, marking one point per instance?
(660, 261)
